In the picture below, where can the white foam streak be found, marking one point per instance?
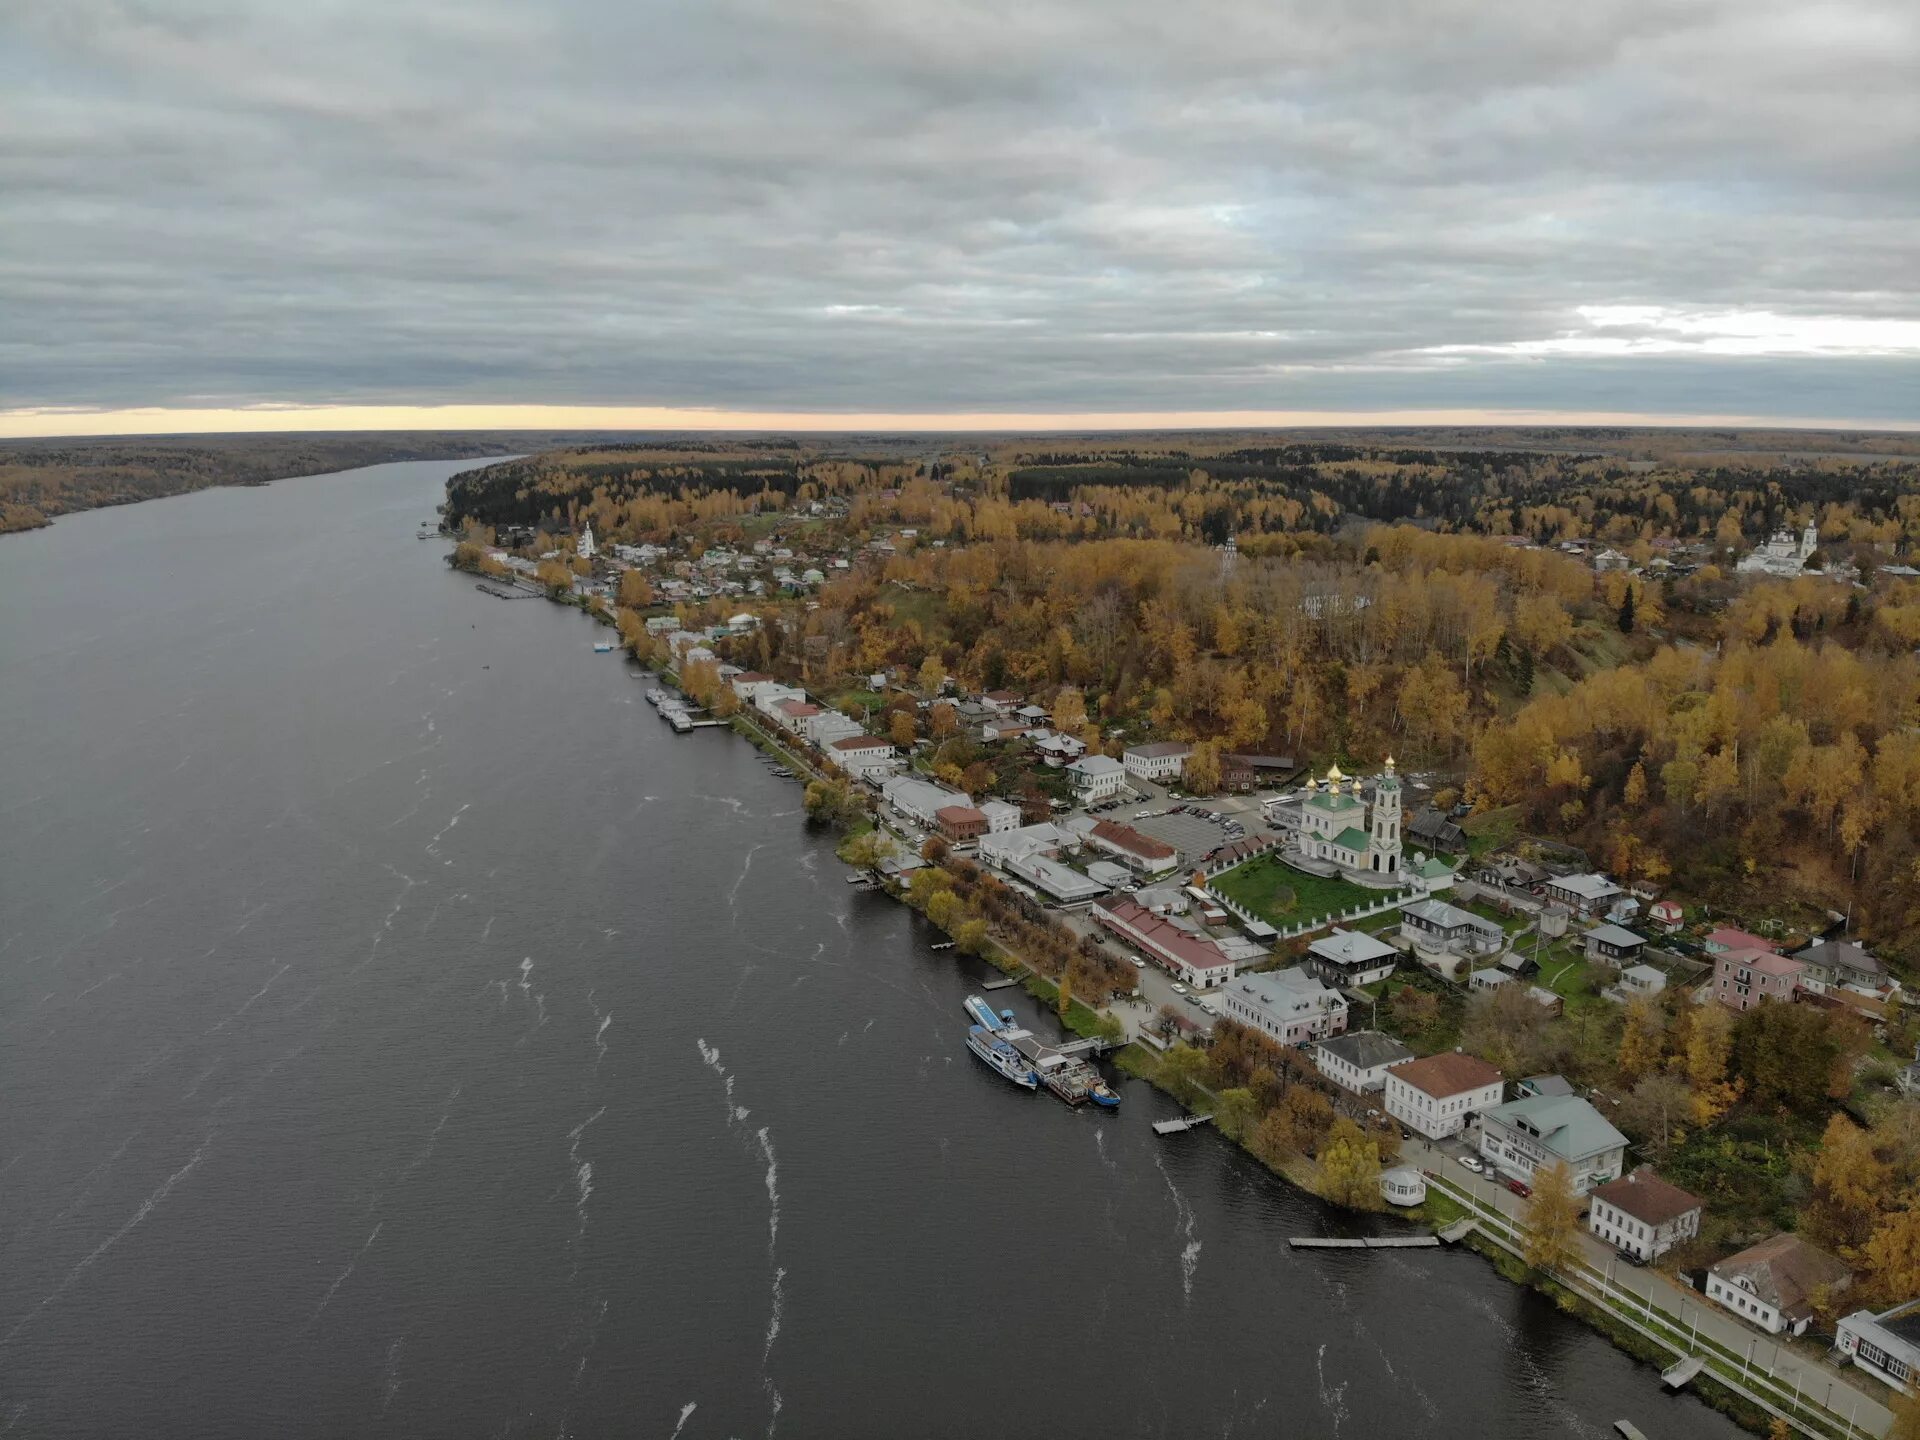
(147, 1207)
(686, 1410)
(1184, 1226)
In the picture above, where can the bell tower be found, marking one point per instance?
(1383, 844)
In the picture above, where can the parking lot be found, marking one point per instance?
(1192, 835)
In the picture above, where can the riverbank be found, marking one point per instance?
(1298, 1169)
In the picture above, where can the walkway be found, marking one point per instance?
(1736, 1354)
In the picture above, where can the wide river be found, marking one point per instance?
(402, 1033)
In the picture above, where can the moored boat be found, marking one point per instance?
(1001, 1057)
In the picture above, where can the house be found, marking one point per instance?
(1001, 817)
(1001, 702)
(1110, 876)
(770, 695)
(1192, 958)
(1614, 945)
(1886, 1345)
(747, 685)
(1668, 915)
(1542, 1086)
(1057, 749)
(1347, 958)
(1161, 760)
(1514, 873)
(793, 715)
(1584, 895)
(1726, 938)
(1434, 1096)
(1743, 978)
(1360, 1059)
(919, 800)
(1433, 927)
(1290, 1005)
(1643, 1215)
(1435, 831)
(1777, 1284)
(1843, 963)
(1242, 772)
(1096, 777)
(1139, 853)
(960, 823)
(1636, 982)
(864, 756)
(1002, 729)
(1538, 1131)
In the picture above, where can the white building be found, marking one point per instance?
(1538, 1131)
(1435, 1096)
(1886, 1345)
(1057, 749)
(1584, 894)
(1774, 1285)
(919, 800)
(1643, 1215)
(583, 547)
(1161, 760)
(1292, 1006)
(999, 847)
(1346, 958)
(1360, 1059)
(1096, 777)
(1001, 817)
(864, 756)
(770, 695)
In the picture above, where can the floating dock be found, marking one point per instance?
(1630, 1430)
(1004, 982)
(1176, 1126)
(1369, 1242)
(1458, 1231)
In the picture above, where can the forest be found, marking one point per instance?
(1746, 741)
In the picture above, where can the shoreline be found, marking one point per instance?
(1138, 1062)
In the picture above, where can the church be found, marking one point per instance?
(1781, 555)
(1340, 827)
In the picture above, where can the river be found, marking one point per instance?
(403, 1034)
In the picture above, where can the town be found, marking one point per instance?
(1389, 988)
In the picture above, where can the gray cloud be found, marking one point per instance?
(895, 205)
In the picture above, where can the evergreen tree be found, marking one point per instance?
(1626, 613)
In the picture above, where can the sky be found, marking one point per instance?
(223, 214)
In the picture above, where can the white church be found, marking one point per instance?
(1781, 555)
(1341, 828)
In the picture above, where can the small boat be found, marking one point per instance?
(1104, 1095)
(983, 1014)
(603, 647)
(1001, 1057)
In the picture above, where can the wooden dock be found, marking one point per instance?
(1175, 1126)
(1003, 982)
(1458, 1230)
(1630, 1430)
(1369, 1242)
(1676, 1375)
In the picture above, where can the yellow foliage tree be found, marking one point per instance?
(1552, 1219)
(1350, 1167)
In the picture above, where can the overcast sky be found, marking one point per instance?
(888, 206)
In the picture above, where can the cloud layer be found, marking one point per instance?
(888, 205)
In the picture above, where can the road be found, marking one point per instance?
(1649, 1290)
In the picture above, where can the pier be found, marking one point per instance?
(1676, 1375)
(1368, 1242)
(1182, 1123)
(1003, 982)
(1628, 1429)
(1458, 1230)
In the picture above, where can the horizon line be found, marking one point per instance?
(56, 423)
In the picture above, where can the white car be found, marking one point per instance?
(1178, 988)
(1472, 1162)
(1136, 962)
(1141, 814)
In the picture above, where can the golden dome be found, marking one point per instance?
(1334, 775)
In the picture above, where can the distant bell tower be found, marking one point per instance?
(584, 548)
(1383, 846)
(1809, 540)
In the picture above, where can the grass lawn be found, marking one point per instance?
(871, 699)
(1491, 829)
(1508, 923)
(1281, 895)
(1566, 972)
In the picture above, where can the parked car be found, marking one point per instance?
(1179, 989)
(1141, 814)
(1520, 1188)
(1631, 1258)
(1136, 962)
(1472, 1162)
